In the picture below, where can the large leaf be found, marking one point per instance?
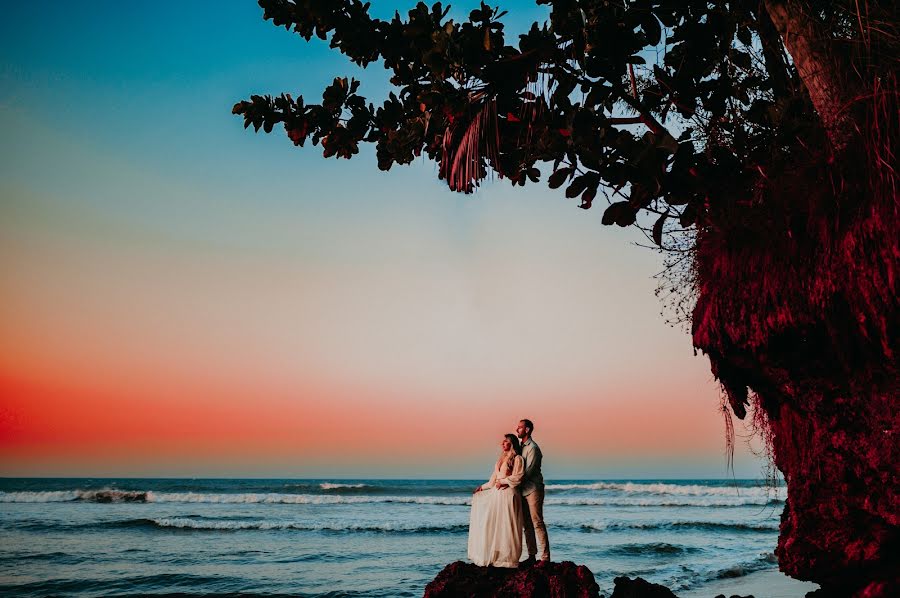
(555, 180)
(651, 29)
(620, 213)
(658, 229)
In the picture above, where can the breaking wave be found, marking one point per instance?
(669, 489)
(652, 549)
(764, 561)
(734, 526)
(148, 496)
(188, 523)
(105, 495)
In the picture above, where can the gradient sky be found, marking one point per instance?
(181, 297)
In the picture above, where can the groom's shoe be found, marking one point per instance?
(529, 562)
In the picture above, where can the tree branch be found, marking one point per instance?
(773, 54)
(645, 116)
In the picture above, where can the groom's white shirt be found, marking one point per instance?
(533, 479)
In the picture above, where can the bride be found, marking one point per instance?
(495, 524)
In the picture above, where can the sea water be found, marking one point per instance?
(117, 537)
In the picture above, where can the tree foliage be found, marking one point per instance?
(674, 108)
(565, 96)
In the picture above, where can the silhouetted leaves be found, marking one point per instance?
(563, 95)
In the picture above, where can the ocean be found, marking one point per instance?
(317, 538)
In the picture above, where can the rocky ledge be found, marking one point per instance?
(553, 580)
(543, 580)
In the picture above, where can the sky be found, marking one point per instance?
(181, 297)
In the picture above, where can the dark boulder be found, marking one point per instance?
(639, 588)
(551, 580)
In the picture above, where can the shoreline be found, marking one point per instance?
(764, 583)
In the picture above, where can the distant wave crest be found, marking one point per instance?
(688, 501)
(46, 496)
(668, 489)
(188, 523)
(739, 526)
(652, 549)
(337, 486)
(302, 499)
(108, 495)
(104, 495)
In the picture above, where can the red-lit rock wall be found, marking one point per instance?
(798, 309)
(841, 519)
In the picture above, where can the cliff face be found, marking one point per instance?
(799, 312)
(841, 520)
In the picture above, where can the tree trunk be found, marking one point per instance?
(819, 65)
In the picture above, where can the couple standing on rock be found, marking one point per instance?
(512, 500)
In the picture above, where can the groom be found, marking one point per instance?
(533, 493)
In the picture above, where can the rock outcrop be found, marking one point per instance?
(543, 580)
(799, 315)
(639, 588)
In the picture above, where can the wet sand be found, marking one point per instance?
(761, 584)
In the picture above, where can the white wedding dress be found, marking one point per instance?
(495, 524)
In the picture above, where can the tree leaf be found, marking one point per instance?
(558, 178)
(620, 213)
(578, 185)
(658, 229)
(689, 215)
(741, 60)
(651, 29)
(587, 198)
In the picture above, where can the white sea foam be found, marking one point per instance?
(688, 501)
(107, 495)
(671, 489)
(213, 524)
(46, 496)
(221, 498)
(301, 499)
(101, 495)
(336, 486)
(758, 526)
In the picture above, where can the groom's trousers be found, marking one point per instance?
(535, 530)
